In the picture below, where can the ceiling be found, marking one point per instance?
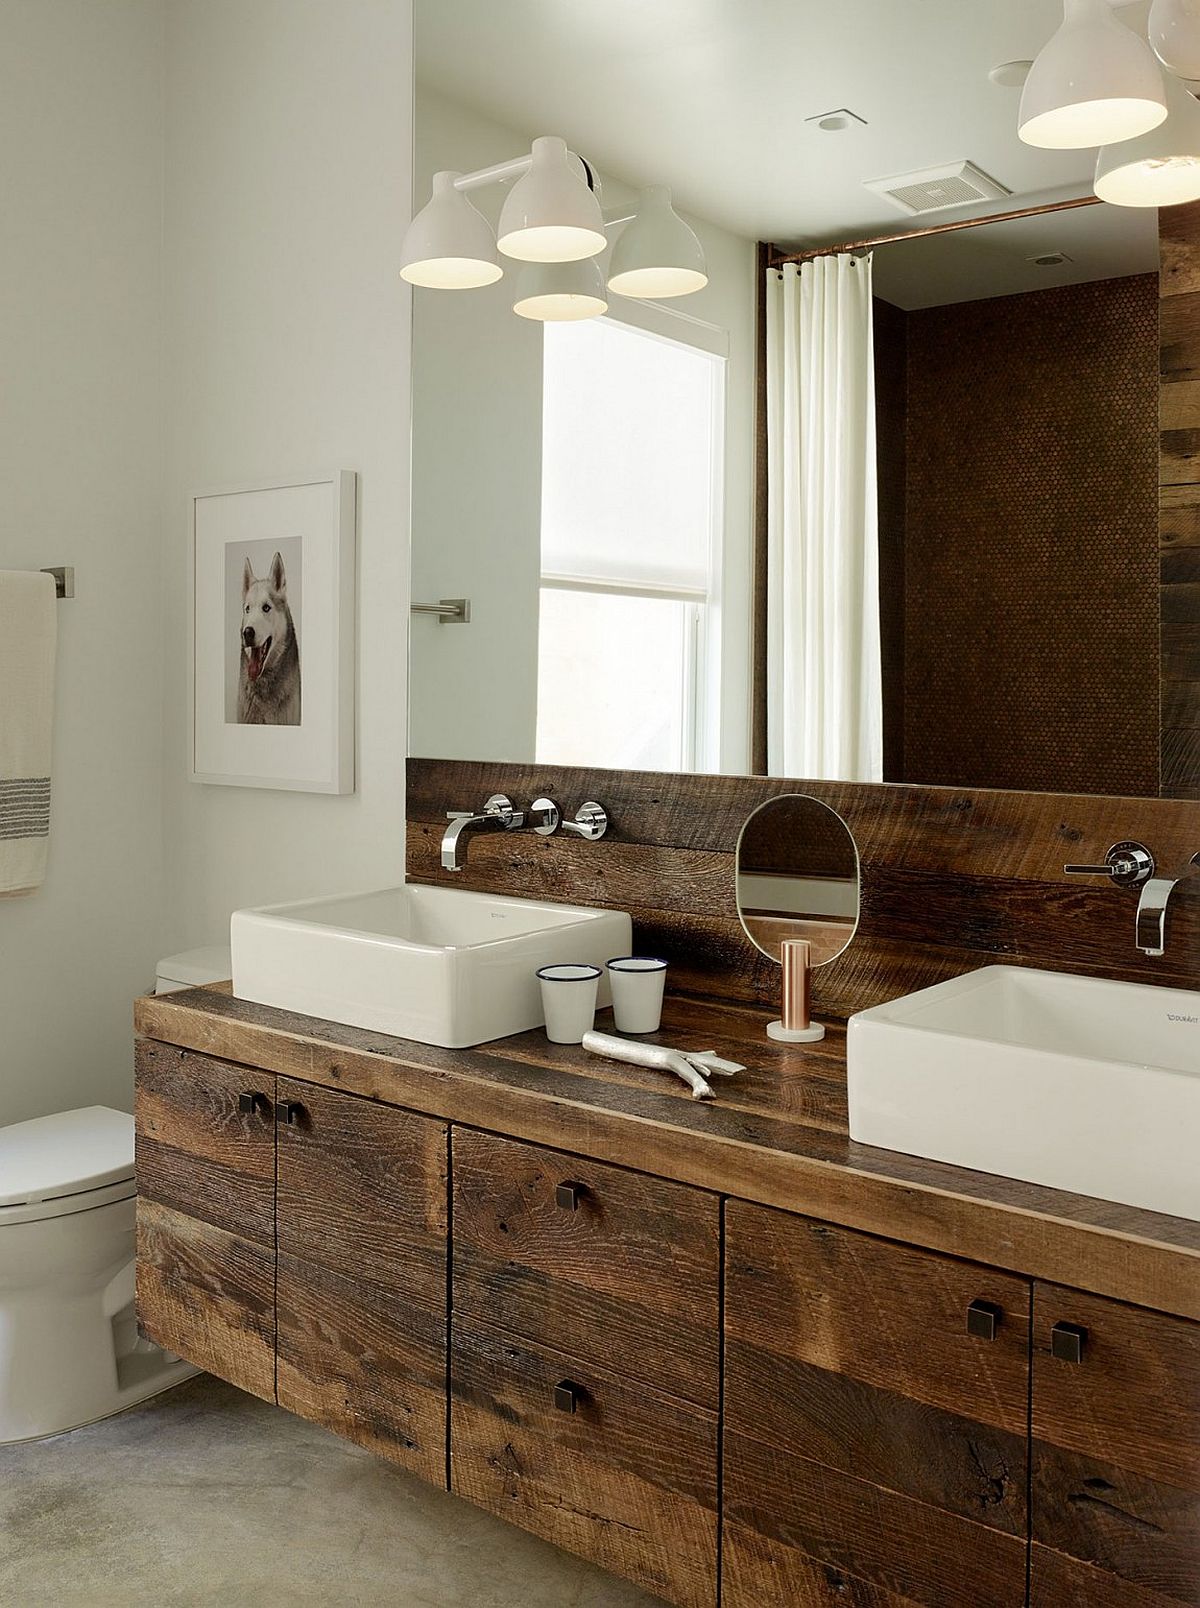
(715, 97)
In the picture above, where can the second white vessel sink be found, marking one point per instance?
(439, 965)
(1077, 1082)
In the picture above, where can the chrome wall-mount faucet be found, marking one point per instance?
(1131, 865)
(498, 815)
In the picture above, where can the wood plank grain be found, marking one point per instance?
(1057, 1581)
(1179, 336)
(628, 1480)
(1134, 1401)
(789, 1521)
(361, 1358)
(362, 1190)
(1179, 260)
(363, 1215)
(196, 1151)
(885, 1314)
(1179, 404)
(628, 1280)
(1178, 517)
(764, 1151)
(207, 1295)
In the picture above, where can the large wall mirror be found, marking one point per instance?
(885, 513)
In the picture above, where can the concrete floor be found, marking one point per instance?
(208, 1496)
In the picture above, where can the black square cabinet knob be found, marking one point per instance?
(248, 1103)
(1067, 1341)
(566, 1396)
(568, 1195)
(983, 1319)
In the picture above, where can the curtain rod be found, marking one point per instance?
(777, 258)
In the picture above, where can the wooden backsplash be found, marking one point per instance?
(952, 879)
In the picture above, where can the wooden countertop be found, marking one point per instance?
(776, 1134)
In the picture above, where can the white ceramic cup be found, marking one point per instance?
(569, 1001)
(637, 992)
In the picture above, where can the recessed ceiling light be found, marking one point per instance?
(1050, 259)
(841, 117)
(1010, 74)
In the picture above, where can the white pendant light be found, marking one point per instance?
(1094, 83)
(656, 253)
(550, 214)
(560, 292)
(449, 244)
(1175, 36)
(1160, 169)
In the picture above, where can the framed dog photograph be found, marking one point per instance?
(272, 650)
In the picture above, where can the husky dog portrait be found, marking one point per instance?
(269, 668)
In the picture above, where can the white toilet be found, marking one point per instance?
(69, 1346)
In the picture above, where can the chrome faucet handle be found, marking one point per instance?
(544, 816)
(1127, 865)
(591, 821)
(498, 807)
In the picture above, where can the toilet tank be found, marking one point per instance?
(193, 968)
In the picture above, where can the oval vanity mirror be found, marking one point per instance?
(797, 877)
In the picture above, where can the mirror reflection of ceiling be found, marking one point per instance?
(718, 99)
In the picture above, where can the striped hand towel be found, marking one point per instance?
(28, 628)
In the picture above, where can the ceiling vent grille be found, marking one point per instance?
(955, 184)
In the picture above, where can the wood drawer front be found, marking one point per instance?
(197, 1151)
(362, 1189)
(361, 1291)
(207, 1295)
(629, 1480)
(1115, 1455)
(797, 1535)
(629, 1279)
(853, 1352)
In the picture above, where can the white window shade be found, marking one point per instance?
(629, 480)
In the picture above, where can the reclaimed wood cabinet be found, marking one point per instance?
(713, 1397)
(1115, 1420)
(876, 1401)
(584, 1360)
(292, 1240)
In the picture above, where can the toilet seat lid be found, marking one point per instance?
(66, 1154)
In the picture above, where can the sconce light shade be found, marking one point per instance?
(1160, 169)
(1175, 36)
(555, 292)
(656, 253)
(550, 214)
(1095, 82)
(449, 244)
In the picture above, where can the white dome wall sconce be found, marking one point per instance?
(560, 292)
(657, 254)
(449, 244)
(1162, 168)
(551, 214)
(1095, 82)
(1175, 36)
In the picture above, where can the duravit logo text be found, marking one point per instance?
(1193, 1021)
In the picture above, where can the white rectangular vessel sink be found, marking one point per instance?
(439, 965)
(1076, 1082)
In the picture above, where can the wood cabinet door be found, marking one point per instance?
(1115, 1455)
(206, 1212)
(595, 1462)
(875, 1436)
(595, 1261)
(361, 1294)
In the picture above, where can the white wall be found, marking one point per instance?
(80, 175)
(477, 399)
(289, 147)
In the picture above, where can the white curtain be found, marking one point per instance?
(824, 688)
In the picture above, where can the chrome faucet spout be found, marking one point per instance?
(1152, 909)
(455, 829)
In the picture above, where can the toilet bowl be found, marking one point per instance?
(69, 1347)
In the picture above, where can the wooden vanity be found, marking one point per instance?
(713, 1348)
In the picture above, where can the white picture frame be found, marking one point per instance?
(271, 641)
